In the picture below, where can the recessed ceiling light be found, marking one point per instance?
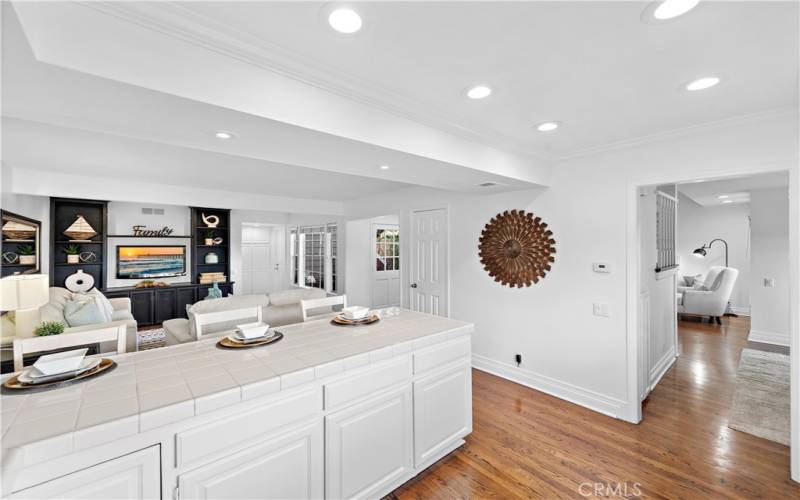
(384, 167)
(669, 9)
(547, 126)
(223, 135)
(723, 197)
(479, 92)
(702, 83)
(727, 201)
(345, 20)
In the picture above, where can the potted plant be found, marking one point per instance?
(49, 328)
(209, 237)
(73, 254)
(27, 255)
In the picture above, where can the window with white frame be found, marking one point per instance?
(666, 217)
(313, 252)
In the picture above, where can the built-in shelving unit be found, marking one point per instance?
(13, 245)
(63, 212)
(200, 250)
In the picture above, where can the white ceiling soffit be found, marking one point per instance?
(156, 46)
(735, 190)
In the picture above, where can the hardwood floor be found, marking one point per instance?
(526, 444)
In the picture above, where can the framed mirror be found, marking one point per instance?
(21, 244)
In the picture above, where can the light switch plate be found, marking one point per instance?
(600, 309)
(769, 282)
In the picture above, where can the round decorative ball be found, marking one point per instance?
(516, 248)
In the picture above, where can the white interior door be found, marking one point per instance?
(260, 271)
(429, 279)
(385, 265)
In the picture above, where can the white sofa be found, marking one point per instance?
(708, 296)
(278, 309)
(54, 311)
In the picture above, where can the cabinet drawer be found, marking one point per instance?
(441, 354)
(231, 432)
(358, 386)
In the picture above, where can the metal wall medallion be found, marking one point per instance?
(516, 248)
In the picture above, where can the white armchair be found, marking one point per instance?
(709, 297)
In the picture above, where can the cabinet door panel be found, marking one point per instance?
(142, 307)
(442, 411)
(287, 466)
(137, 475)
(165, 301)
(368, 447)
(186, 296)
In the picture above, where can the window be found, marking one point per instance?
(313, 252)
(387, 249)
(666, 216)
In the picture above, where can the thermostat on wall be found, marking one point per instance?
(601, 267)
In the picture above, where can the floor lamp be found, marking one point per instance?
(702, 252)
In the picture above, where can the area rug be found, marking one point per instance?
(761, 396)
(151, 339)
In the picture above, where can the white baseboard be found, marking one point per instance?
(594, 401)
(769, 337)
(741, 311)
(661, 367)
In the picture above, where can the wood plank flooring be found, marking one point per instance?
(526, 444)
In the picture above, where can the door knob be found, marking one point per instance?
(413, 285)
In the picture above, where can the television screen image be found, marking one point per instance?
(150, 261)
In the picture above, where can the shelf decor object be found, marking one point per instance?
(79, 282)
(21, 241)
(516, 248)
(73, 254)
(80, 230)
(210, 220)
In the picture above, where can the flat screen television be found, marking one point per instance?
(149, 261)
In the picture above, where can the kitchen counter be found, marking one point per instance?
(161, 387)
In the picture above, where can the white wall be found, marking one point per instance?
(566, 350)
(123, 216)
(34, 207)
(697, 225)
(770, 240)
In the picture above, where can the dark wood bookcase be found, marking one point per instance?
(63, 212)
(200, 250)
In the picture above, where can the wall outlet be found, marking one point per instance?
(769, 282)
(601, 267)
(518, 359)
(601, 309)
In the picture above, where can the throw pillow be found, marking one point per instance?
(80, 313)
(689, 280)
(103, 304)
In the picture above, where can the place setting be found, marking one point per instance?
(355, 316)
(58, 370)
(250, 335)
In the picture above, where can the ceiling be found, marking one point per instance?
(731, 191)
(302, 99)
(595, 66)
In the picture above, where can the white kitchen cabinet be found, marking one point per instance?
(286, 466)
(136, 475)
(368, 446)
(442, 411)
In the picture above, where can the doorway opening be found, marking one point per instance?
(711, 304)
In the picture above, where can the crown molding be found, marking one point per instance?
(177, 21)
(680, 132)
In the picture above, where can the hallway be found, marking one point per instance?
(527, 444)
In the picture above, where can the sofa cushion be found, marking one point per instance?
(177, 331)
(83, 312)
(122, 315)
(295, 295)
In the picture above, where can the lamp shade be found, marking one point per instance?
(24, 291)
(699, 252)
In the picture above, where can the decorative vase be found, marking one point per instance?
(27, 260)
(73, 258)
(214, 292)
(212, 258)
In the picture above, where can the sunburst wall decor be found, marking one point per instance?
(516, 248)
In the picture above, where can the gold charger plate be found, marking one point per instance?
(364, 321)
(13, 384)
(226, 343)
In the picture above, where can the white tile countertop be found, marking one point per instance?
(153, 388)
